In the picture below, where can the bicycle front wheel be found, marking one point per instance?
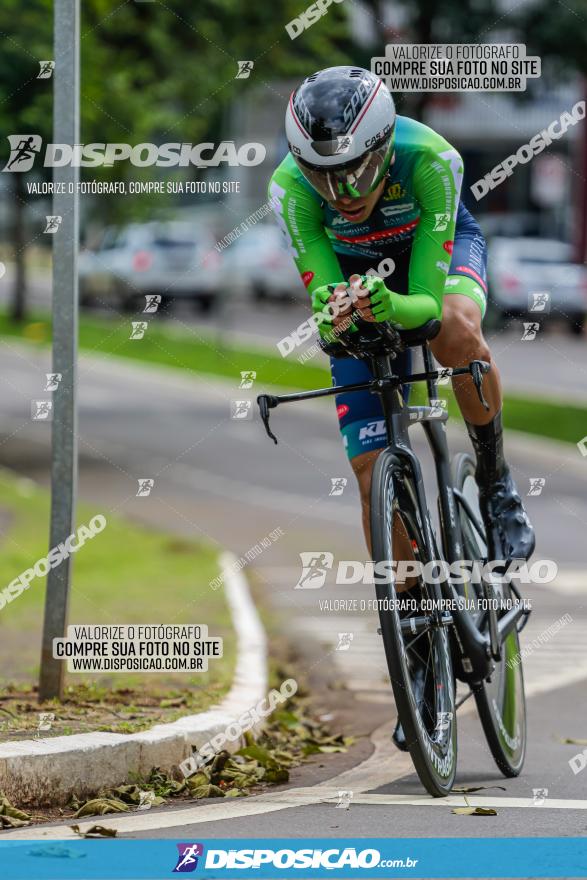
(500, 699)
(416, 649)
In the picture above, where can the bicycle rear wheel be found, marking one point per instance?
(500, 699)
(413, 644)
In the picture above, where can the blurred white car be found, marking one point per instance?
(522, 270)
(172, 259)
(259, 265)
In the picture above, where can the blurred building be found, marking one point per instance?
(545, 196)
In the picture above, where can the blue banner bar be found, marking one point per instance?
(275, 858)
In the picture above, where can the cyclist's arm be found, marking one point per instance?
(299, 215)
(437, 185)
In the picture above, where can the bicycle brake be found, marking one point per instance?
(477, 369)
(267, 402)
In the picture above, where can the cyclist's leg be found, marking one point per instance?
(360, 414)
(510, 534)
(363, 430)
(362, 427)
(459, 342)
(461, 339)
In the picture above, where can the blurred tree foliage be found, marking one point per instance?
(161, 71)
(25, 108)
(165, 70)
(557, 32)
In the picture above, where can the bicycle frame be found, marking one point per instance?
(477, 651)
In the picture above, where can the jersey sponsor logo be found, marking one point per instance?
(455, 163)
(307, 277)
(339, 220)
(468, 271)
(394, 191)
(342, 409)
(372, 429)
(442, 266)
(448, 246)
(390, 210)
(278, 194)
(441, 222)
(357, 230)
(394, 232)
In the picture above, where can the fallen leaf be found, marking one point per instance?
(10, 822)
(276, 775)
(207, 791)
(11, 816)
(100, 806)
(94, 831)
(199, 778)
(473, 789)
(258, 753)
(474, 811)
(135, 795)
(572, 741)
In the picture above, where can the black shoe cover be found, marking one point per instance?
(509, 532)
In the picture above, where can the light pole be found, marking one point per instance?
(65, 331)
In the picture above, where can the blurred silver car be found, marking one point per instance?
(536, 278)
(171, 259)
(259, 265)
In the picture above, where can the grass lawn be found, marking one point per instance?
(125, 574)
(193, 351)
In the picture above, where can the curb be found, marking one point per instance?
(49, 771)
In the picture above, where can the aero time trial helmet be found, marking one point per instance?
(340, 125)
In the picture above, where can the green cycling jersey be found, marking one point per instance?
(417, 210)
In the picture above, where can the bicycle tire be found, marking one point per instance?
(501, 701)
(433, 751)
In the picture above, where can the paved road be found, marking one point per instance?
(222, 479)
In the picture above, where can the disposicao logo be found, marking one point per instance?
(187, 860)
(25, 147)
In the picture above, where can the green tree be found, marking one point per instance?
(149, 72)
(25, 108)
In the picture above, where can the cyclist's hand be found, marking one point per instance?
(360, 296)
(334, 305)
(382, 301)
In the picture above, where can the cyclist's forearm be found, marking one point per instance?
(414, 310)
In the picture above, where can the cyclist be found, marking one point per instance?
(362, 188)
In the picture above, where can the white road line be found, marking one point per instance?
(383, 766)
(459, 801)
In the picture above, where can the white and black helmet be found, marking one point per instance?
(340, 125)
